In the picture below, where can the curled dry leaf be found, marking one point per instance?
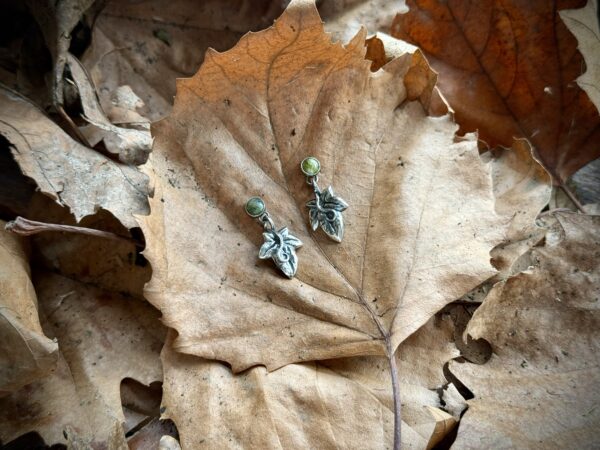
(114, 265)
(57, 20)
(68, 172)
(349, 401)
(147, 46)
(26, 354)
(540, 388)
(489, 56)
(419, 228)
(583, 23)
(130, 144)
(103, 338)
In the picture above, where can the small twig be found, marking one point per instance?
(26, 227)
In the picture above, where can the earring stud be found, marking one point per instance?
(279, 245)
(326, 208)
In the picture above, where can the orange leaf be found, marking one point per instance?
(508, 69)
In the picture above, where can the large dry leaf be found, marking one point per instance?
(541, 387)
(71, 174)
(25, 352)
(583, 23)
(419, 228)
(104, 338)
(348, 401)
(147, 46)
(508, 69)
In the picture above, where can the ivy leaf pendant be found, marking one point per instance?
(326, 210)
(281, 247)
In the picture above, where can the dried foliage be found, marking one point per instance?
(460, 307)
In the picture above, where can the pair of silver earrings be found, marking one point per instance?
(325, 210)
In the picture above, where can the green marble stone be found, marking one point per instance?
(255, 207)
(310, 166)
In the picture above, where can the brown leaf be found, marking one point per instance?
(132, 145)
(522, 189)
(540, 389)
(26, 354)
(147, 46)
(57, 19)
(344, 18)
(71, 174)
(104, 338)
(583, 23)
(508, 71)
(419, 229)
(349, 401)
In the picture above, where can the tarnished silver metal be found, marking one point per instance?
(326, 210)
(280, 245)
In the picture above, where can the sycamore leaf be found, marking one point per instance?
(419, 228)
(583, 23)
(540, 389)
(68, 172)
(508, 70)
(349, 401)
(103, 338)
(26, 354)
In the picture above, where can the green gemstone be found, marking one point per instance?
(255, 207)
(310, 166)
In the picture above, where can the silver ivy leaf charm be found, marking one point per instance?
(326, 210)
(281, 247)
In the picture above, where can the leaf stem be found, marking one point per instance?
(26, 227)
(396, 392)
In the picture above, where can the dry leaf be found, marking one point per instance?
(419, 228)
(583, 23)
(344, 18)
(130, 144)
(71, 174)
(540, 389)
(147, 46)
(26, 354)
(490, 56)
(57, 19)
(104, 338)
(110, 264)
(344, 403)
(522, 189)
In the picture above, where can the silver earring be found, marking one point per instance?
(279, 245)
(325, 209)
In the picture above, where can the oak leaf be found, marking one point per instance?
(541, 386)
(508, 70)
(419, 227)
